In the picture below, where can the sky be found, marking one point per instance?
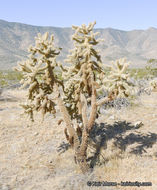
(119, 14)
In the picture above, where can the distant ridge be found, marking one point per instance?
(136, 45)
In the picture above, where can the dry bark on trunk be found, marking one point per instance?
(79, 153)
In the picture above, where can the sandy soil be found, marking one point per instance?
(36, 156)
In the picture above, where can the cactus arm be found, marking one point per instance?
(80, 150)
(81, 153)
(84, 142)
(84, 110)
(67, 119)
(93, 113)
(103, 101)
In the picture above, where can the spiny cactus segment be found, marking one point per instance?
(118, 81)
(85, 68)
(39, 76)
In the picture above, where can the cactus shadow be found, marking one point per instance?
(143, 141)
(103, 132)
(63, 147)
(122, 133)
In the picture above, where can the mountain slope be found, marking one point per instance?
(136, 45)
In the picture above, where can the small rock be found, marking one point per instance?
(112, 117)
(80, 124)
(138, 124)
(36, 133)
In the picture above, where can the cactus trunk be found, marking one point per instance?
(66, 118)
(81, 159)
(80, 149)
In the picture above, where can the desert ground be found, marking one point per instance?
(36, 156)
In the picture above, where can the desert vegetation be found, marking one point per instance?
(93, 105)
(81, 84)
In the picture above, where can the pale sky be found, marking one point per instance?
(118, 14)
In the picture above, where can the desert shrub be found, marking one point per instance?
(143, 73)
(152, 67)
(153, 85)
(139, 73)
(9, 77)
(143, 87)
(117, 103)
(73, 89)
(119, 80)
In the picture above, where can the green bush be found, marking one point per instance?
(9, 77)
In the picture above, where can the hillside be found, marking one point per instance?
(137, 45)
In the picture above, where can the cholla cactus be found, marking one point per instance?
(152, 68)
(85, 67)
(38, 75)
(80, 84)
(83, 79)
(118, 81)
(153, 85)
